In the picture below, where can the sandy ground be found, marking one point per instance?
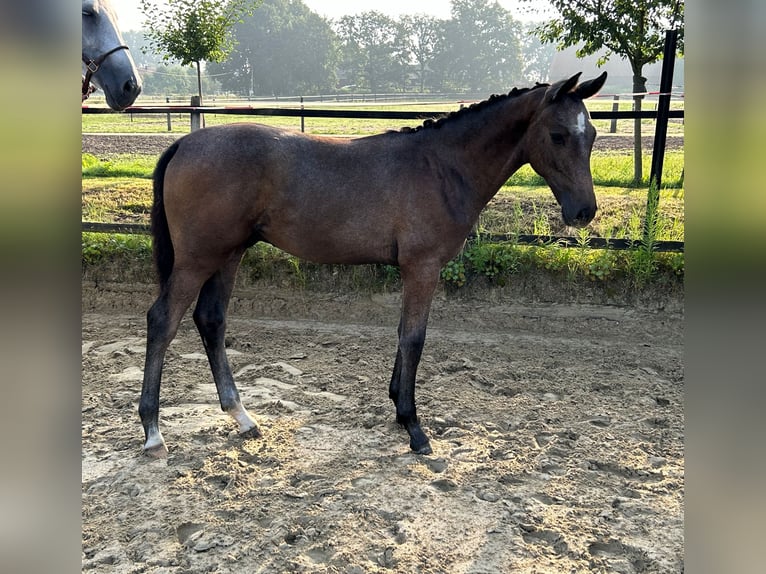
(557, 429)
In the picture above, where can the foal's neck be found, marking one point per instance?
(491, 144)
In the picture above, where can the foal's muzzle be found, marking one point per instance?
(580, 215)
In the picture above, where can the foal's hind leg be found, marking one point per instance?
(162, 321)
(210, 318)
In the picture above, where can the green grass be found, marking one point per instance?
(610, 169)
(123, 165)
(116, 199)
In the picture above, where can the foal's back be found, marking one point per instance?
(328, 200)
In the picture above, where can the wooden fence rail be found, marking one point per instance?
(347, 114)
(521, 239)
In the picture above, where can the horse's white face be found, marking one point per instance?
(117, 75)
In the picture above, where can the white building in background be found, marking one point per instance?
(620, 80)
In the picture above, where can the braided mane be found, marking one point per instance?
(452, 116)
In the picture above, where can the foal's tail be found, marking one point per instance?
(162, 246)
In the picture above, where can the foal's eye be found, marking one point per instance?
(557, 139)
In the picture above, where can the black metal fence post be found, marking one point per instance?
(660, 138)
(663, 107)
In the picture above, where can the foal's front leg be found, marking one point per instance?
(417, 292)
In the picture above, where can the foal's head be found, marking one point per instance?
(560, 139)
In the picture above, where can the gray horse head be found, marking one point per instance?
(107, 62)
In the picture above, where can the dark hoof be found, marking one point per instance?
(419, 441)
(252, 433)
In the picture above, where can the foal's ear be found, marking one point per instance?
(560, 89)
(591, 87)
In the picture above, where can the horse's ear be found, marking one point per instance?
(560, 89)
(591, 87)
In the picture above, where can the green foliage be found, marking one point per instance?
(481, 48)
(368, 46)
(643, 263)
(391, 275)
(600, 264)
(193, 31)
(418, 42)
(672, 261)
(632, 30)
(453, 273)
(496, 261)
(284, 49)
(100, 247)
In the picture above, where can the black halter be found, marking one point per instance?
(92, 66)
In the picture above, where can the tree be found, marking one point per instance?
(536, 55)
(193, 31)
(480, 50)
(632, 29)
(285, 48)
(142, 53)
(368, 49)
(420, 35)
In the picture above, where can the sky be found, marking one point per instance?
(131, 18)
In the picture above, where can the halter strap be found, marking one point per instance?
(92, 66)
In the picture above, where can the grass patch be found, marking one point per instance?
(518, 210)
(501, 263)
(116, 200)
(101, 247)
(610, 169)
(123, 165)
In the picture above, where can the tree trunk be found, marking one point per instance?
(199, 83)
(639, 87)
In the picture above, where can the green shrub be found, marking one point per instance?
(496, 261)
(453, 273)
(99, 247)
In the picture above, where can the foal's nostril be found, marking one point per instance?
(585, 215)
